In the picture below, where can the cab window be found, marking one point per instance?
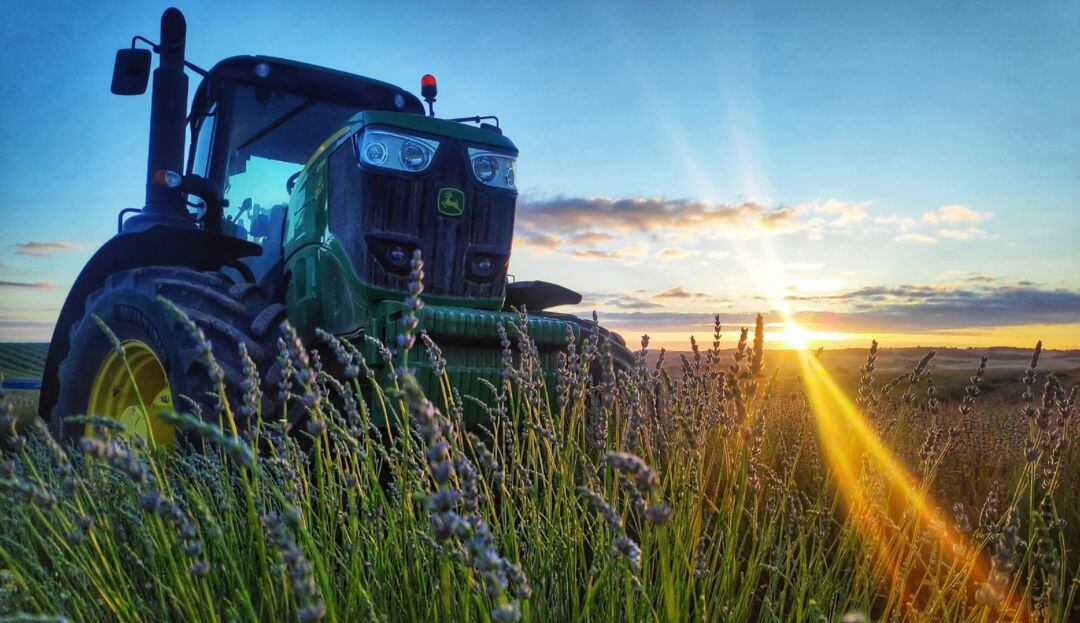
(271, 136)
(200, 160)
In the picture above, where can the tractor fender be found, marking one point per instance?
(159, 245)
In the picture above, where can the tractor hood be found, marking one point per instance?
(436, 126)
(414, 123)
(375, 217)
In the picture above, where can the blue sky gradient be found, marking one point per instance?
(890, 111)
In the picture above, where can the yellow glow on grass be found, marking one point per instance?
(850, 445)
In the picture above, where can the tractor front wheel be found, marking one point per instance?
(158, 360)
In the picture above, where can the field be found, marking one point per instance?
(22, 361)
(727, 484)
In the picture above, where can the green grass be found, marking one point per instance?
(557, 511)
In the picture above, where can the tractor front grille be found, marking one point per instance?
(377, 214)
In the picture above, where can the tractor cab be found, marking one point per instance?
(340, 178)
(256, 121)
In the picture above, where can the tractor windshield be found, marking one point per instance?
(270, 136)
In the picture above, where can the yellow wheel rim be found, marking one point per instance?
(134, 389)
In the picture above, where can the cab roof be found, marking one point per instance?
(312, 81)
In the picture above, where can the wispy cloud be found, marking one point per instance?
(642, 299)
(901, 224)
(618, 300)
(954, 213)
(24, 285)
(974, 303)
(582, 219)
(537, 240)
(902, 308)
(844, 212)
(634, 252)
(590, 238)
(953, 221)
(967, 233)
(671, 253)
(920, 238)
(42, 249)
(679, 292)
(587, 227)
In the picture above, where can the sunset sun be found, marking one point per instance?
(795, 336)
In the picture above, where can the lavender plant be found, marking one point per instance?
(657, 492)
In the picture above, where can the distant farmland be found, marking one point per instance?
(22, 361)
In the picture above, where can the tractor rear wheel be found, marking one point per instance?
(161, 361)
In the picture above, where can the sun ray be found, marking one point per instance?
(847, 441)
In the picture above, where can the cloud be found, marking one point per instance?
(634, 251)
(641, 299)
(903, 293)
(678, 292)
(537, 240)
(920, 238)
(23, 285)
(590, 238)
(671, 253)
(954, 213)
(597, 254)
(908, 229)
(883, 308)
(893, 309)
(901, 223)
(583, 227)
(42, 249)
(972, 304)
(618, 300)
(846, 212)
(577, 216)
(963, 234)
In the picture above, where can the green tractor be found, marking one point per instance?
(304, 195)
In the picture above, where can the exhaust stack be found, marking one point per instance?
(168, 116)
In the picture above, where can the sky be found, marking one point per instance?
(904, 171)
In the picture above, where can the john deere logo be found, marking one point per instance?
(451, 202)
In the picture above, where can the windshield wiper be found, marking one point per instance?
(277, 123)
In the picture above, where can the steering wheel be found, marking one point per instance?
(292, 181)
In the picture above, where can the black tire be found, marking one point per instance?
(229, 314)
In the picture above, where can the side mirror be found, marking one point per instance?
(131, 71)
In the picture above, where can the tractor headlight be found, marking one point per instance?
(486, 168)
(414, 156)
(393, 150)
(494, 169)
